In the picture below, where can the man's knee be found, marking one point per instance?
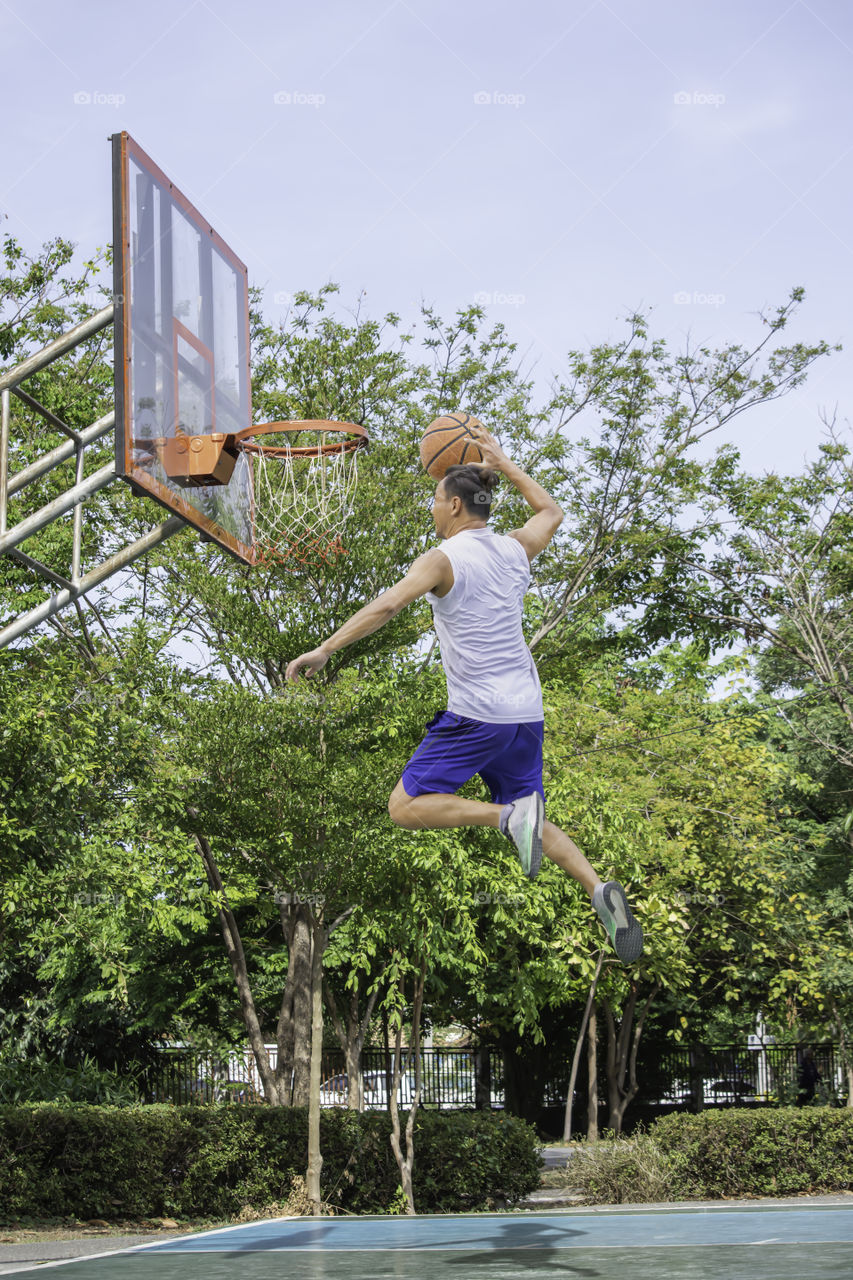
(400, 808)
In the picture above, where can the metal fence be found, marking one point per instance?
(669, 1076)
(734, 1075)
(450, 1078)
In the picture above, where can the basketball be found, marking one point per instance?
(447, 441)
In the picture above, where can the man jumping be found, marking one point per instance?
(494, 722)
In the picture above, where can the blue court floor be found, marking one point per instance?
(666, 1243)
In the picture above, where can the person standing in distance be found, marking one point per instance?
(494, 722)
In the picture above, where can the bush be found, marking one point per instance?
(216, 1161)
(472, 1160)
(40, 1079)
(719, 1155)
(779, 1151)
(621, 1171)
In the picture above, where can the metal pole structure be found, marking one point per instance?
(5, 410)
(77, 537)
(120, 560)
(67, 590)
(62, 451)
(65, 501)
(58, 348)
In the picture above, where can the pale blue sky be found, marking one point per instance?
(564, 162)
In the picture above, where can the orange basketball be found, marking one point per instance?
(448, 440)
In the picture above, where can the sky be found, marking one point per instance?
(562, 164)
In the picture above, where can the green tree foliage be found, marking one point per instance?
(261, 809)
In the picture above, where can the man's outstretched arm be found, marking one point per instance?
(535, 535)
(429, 571)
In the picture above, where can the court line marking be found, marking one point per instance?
(140, 1248)
(519, 1248)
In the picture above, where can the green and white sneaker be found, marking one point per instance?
(624, 931)
(521, 822)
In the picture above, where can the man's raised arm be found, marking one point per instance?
(535, 535)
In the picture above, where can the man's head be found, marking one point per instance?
(463, 499)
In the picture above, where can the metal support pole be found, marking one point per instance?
(57, 348)
(5, 410)
(62, 451)
(39, 569)
(95, 576)
(51, 418)
(58, 507)
(77, 538)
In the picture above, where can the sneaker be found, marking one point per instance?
(521, 822)
(625, 932)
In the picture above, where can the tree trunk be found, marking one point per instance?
(573, 1075)
(622, 1046)
(844, 1054)
(293, 1033)
(237, 960)
(406, 1161)
(319, 937)
(697, 1064)
(482, 1079)
(592, 1076)
(352, 1033)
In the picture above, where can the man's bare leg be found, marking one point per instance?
(431, 812)
(561, 849)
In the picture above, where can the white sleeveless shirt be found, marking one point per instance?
(490, 671)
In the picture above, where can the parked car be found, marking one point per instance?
(335, 1090)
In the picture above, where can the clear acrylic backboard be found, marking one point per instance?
(182, 348)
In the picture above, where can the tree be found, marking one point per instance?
(74, 752)
(281, 796)
(782, 577)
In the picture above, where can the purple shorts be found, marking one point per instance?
(508, 757)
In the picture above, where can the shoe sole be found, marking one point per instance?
(536, 841)
(536, 844)
(628, 938)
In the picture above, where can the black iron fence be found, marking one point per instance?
(699, 1076)
(450, 1078)
(668, 1076)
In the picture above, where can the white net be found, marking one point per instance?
(302, 503)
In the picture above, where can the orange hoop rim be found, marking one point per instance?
(355, 437)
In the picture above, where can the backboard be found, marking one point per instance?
(181, 350)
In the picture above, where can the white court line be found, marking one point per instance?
(140, 1248)
(519, 1248)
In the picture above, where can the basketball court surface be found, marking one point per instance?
(774, 1242)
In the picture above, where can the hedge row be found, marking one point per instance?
(211, 1161)
(777, 1151)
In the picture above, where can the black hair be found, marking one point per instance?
(473, 485)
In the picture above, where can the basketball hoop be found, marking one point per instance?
(305, 479)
